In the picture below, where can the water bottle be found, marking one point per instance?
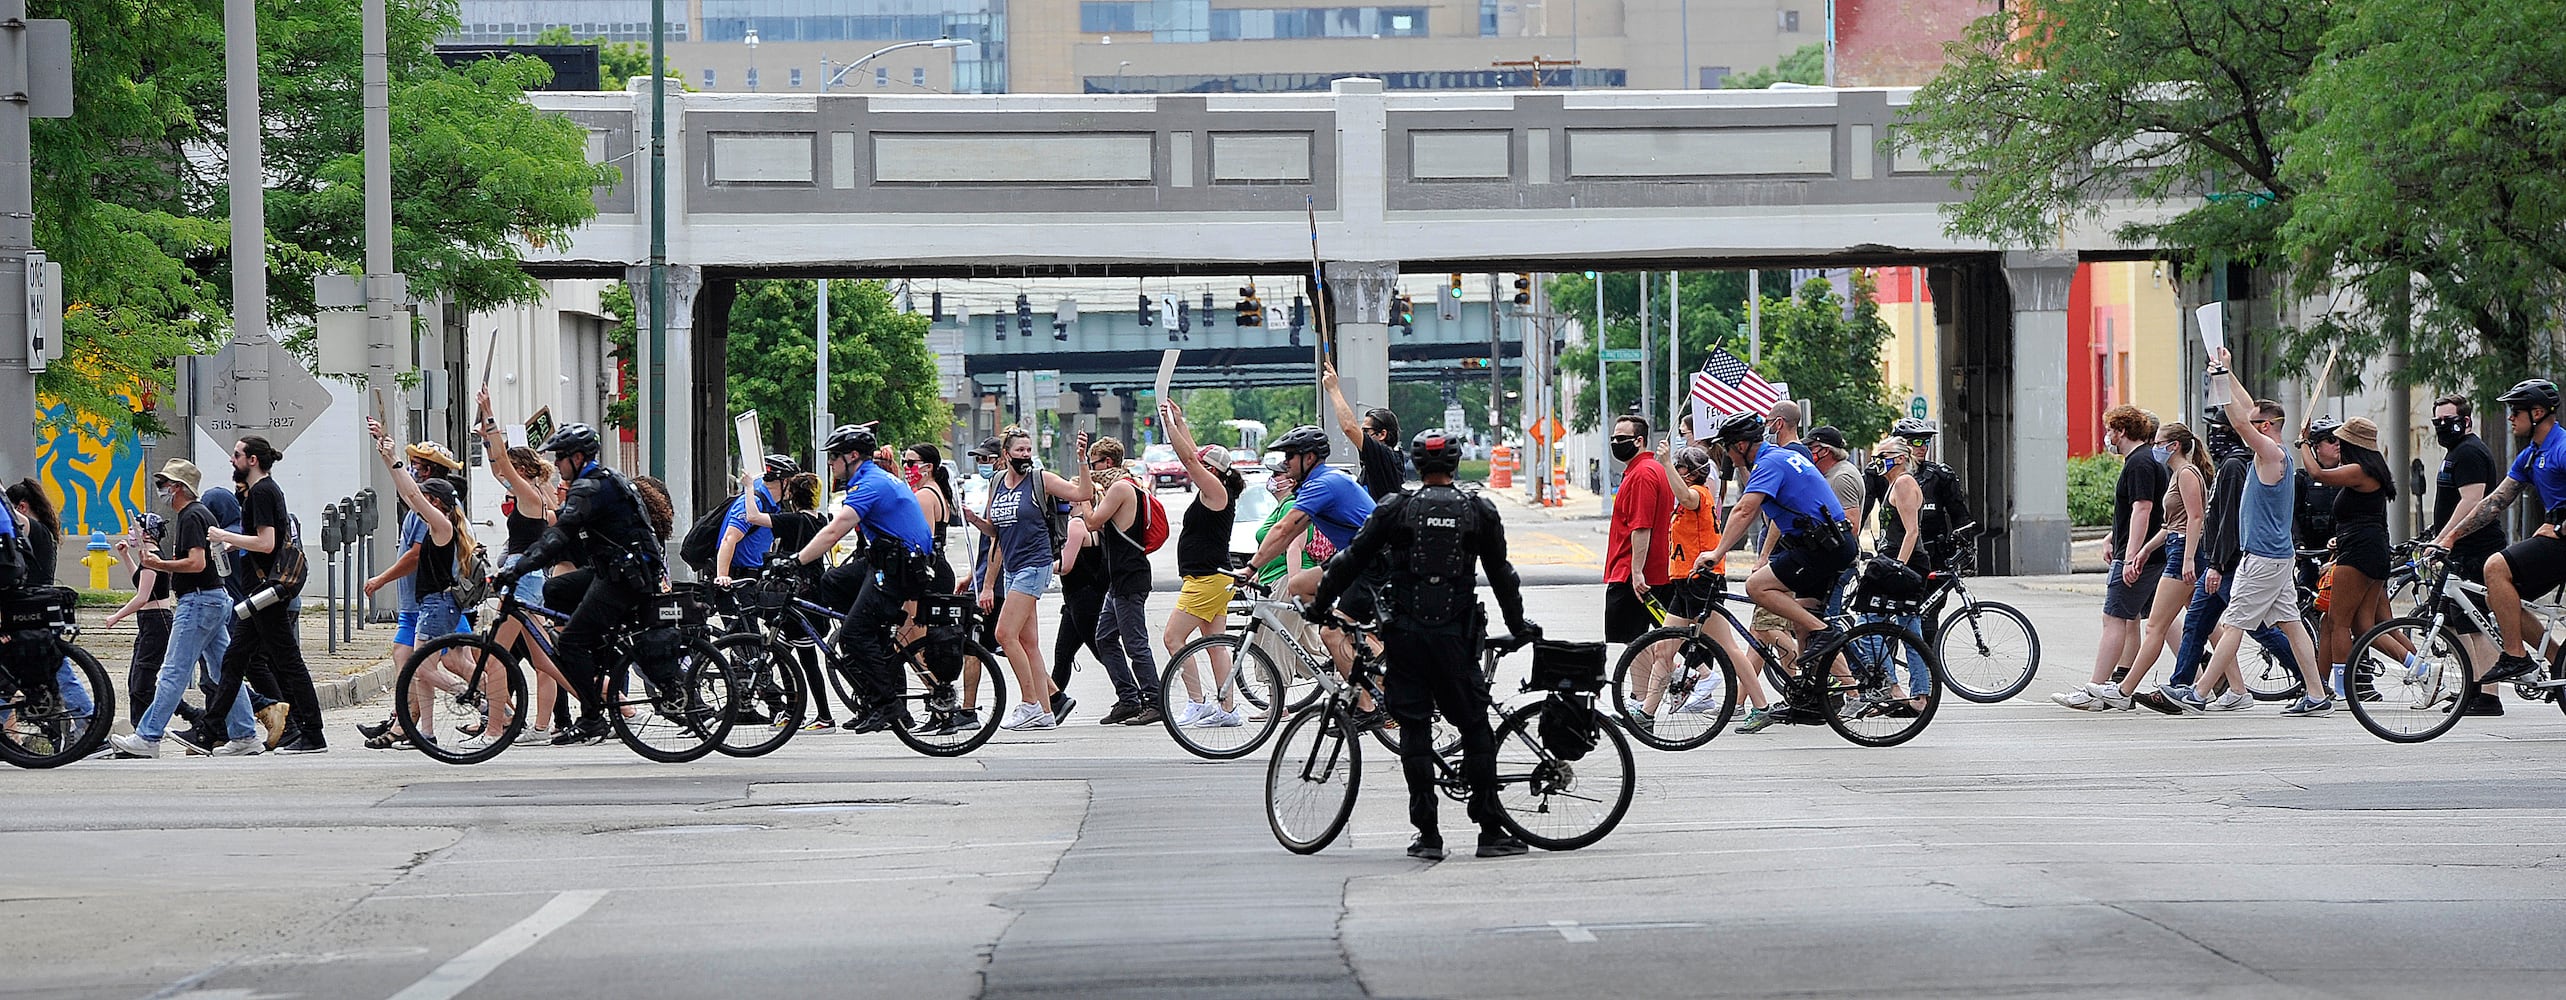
(256, 603)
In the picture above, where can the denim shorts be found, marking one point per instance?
(1031, 580)
(438, 617)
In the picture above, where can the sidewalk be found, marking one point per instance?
(357, 673)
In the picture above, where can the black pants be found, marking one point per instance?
(1438, 671)
(266, 654)
(598, 608)
(873, 610)
(1079, 606)
(142, 673)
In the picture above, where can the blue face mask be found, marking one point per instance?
(2164, 453)
(987, 470)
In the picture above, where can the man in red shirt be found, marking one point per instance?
(1642, 513)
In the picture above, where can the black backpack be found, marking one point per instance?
(703, 541)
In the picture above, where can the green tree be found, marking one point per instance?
(1806, 64)
(617, 62)
(2433, 171)
(879, 365)
(1712, 306)
(1829, 352)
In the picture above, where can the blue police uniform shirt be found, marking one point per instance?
(755, 540)
(1793, 488)
(889, 509)
(1335, 503)
(2543, 466)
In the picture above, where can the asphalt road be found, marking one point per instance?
(2015, 849)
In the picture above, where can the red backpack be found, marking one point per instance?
(1153, 534)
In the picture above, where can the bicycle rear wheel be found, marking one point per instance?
(1311, 780)
(40, 728)
(2402, 705)
(948, 718)
(1695, 694)
(488, 685)
(1235, 679)
(2266, 677)
(773, 699)
(1554, 804)
(1989, 651)
(1883, 685)
(683, 718)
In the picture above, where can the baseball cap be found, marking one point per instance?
(1830, 437)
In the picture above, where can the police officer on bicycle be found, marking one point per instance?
(603, 529)
(1946, 505)
(1427, 539)
(873, 591)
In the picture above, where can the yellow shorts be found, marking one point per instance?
(1206, 597)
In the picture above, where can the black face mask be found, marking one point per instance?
(2450, 432)
(1020, 464)
(1624, 451)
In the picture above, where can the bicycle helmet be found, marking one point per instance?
(782, 466)
(1914, 429)
(856, 438)
(1738, 428)
(2322, 429)
(1306, 439)
(1434, 451)
(2531, 392)
(154, 526)
(571, 439)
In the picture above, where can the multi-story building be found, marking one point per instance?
(1183, 46)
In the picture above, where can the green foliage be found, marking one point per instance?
(1712, 307)
(2091, 480)
(1830, 358)
(1807, 64)
(879, 366)
(617, 62)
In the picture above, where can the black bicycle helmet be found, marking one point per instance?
(154, 526)
(579, 439)
(782, 466)
(1306, 439)
(2322, 428)
(857, 438)
(1737, 428)
(1432, 450)
(1914, 429)
(2531, 392)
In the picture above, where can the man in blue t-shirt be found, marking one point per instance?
(2528, 569)
(1333, 502)
(875, 591)
(744, 545)
(1817, 543)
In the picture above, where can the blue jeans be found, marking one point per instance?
(201, 628)
(1917, 677)
(75, 689)
(2201, 618)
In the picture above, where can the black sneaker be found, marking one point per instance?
(1148, 715)
(306, 741)
(963, 721)
(2508, 667)
(1061, 705)
(869, 722)
(1499, 844)
(583, 732)
(1821, 644)
(1122, 712)
(2482, 703)
(1424, 848)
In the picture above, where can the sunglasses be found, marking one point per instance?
(1625, 437)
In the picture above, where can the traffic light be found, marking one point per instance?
(1455, 286)
(1523, 290)
(1024, 318)
(1474, 363)
(1300, 317)
(1148, 314)
(1250, 311)
(1403, 313)
(1184, 322)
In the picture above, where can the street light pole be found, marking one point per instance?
(932, 43)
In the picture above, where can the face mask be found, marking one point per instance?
(917, 475)
(2450, 432)
(987, 470)
(1279, 486)
(2164, 453)
(1624, 451)
(1021, 465)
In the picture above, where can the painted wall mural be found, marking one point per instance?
(93, 475)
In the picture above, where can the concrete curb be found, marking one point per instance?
(357, 688)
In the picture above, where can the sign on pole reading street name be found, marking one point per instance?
(1622, 354)
(294, 398)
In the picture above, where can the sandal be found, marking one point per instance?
(385, 740)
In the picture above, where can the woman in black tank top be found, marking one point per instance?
(532, 500)
(2348, 457)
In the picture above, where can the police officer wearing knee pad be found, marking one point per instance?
(1428, 538)
(603, 529)
(875, 590)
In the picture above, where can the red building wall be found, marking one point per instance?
(2084, 369)
(1898, 43)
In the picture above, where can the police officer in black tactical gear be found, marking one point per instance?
(602, 529)
(1946, 505)
(1427, 539)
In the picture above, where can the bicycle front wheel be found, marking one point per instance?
(1311, 780)
(2402, 704)
(1239, 692)
(1883, 685)
(473, 680)
(686, 713)
(1554, 804)
(952, 694)
(41, 727)
(773, 699)
(1674, 688)
(1989, 651)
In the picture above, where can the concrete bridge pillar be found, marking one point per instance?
(1359, 295)
(2038, 526)
(669, 393)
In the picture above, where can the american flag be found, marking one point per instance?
(1726, 385)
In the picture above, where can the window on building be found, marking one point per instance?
(1790, 20)
(1096, 18)
(917, 76)
(1487, 18)
(794, 76)
(708, 79)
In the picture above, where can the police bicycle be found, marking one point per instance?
(56, 704)
(1564, 775)
(2404, 702)
(951, 688)
(669, 696)
(1878, 684)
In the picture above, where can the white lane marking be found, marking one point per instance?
(1573, 934)
(462, 971)
(701, 886)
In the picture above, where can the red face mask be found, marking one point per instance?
(917, 475)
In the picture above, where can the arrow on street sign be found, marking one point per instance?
(294, 398)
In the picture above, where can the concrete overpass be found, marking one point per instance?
(1035, 185)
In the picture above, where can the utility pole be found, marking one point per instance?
(249, 215)
(1496, 363)
(381, 286)
(1676, 389)
(27, 90)
(1647, 351)
(820, 426)
(651, 411)
(1754, 316)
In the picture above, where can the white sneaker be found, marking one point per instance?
(1634, 709)
(2426, 675)
(2111, 697)
(243, 747)
(1706, 697)
(1028, 717)
(2233, 701)
(469, 744)
(130, 745)
(1193, 710)
(2082, 699)
(1216, 717)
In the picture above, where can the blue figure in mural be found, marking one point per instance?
(65, 464)
(119, 484)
